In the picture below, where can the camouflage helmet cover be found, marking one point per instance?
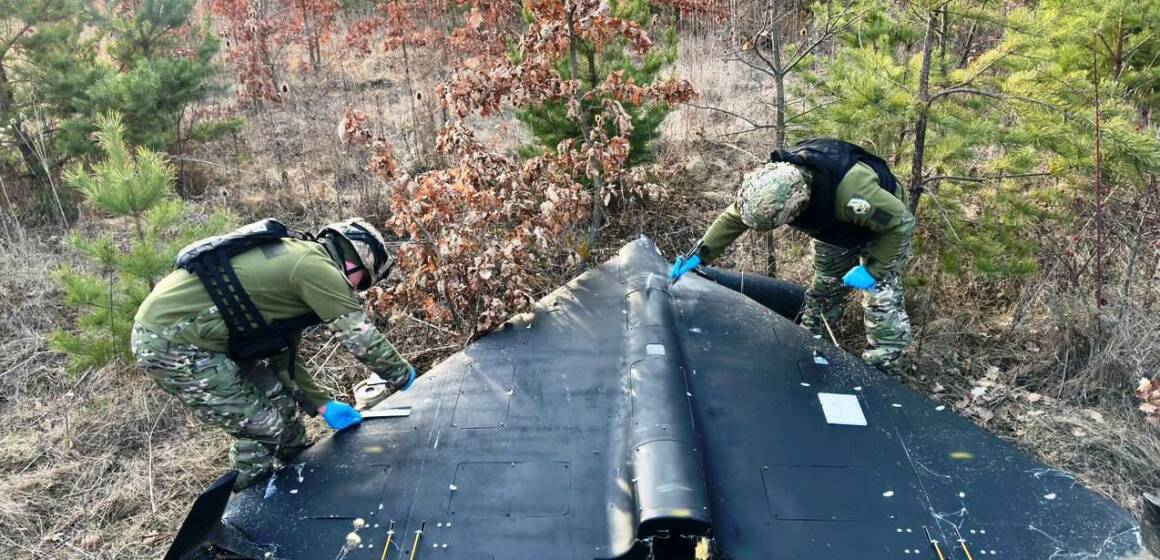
(772, 195)
(369, 246)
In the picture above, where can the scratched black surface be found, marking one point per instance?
(518, 448)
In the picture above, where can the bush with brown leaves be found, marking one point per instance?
(1149, 392)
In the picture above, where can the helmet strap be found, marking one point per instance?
(337, 248)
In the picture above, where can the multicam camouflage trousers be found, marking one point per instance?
(887, 325)
(250, 401)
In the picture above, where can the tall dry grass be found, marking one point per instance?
(104, 465)
(1059, 371)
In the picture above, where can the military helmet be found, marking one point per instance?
(369, 247)
(772, 195)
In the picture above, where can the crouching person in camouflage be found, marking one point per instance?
(220, 332)
(850, 203)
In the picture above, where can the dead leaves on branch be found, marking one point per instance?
(394, 25)
(486, 82)
(484, 229)
(257, 33)
(1148, 391)
(352, 131)
(993, 400)
(480, 231)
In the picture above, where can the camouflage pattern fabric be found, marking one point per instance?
(360, 337)
(885, 318)
(250, 401)
(365, 254)
(772, 195)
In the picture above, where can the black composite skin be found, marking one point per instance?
(625, 415)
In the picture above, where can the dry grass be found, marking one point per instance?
(104, 465)
(94, 464)
(1059, 374)
(1058, 382)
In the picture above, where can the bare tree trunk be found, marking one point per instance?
(778, 71)
(7, 106)
(779, 124)
(779, 138)
(1133, 254)
(733, 43)
(598, 180)
(420, 143)
(1099, 185)
(969, 45)
(920, 120)
(313, 34)
(942, 41)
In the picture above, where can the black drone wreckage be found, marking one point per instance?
(626, 417)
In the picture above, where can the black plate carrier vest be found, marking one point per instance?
(251, 336)
(829, 160)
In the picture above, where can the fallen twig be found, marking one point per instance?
(149, 448)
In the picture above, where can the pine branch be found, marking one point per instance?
(827, 33)
(966, 90)
(945, 218)
(757, 129)
(1131, 51)
(999, 96)
(980, 179)
(978, 72)
(738, 58)
(732, 147)
(812, 109)
(28, 25)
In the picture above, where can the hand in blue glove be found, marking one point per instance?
(410, 380)
(340, 415)
(684, 265)
(859, 278)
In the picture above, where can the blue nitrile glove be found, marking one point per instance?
(340, 415)
(859, 278)
(684, 265)
(410, 380)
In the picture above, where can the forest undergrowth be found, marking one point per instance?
(102, 464)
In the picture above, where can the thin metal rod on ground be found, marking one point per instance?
(390, 537)
(826, 322)
(418, 537)
(934, 544)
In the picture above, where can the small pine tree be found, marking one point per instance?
(147, 226)
(550, 122)
(1010, 130)
(43, 58)
(63, 62)
(164, 64)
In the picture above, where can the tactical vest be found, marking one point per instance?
(251, 336)
(828, 161)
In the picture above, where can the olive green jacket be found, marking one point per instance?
(859, 200)
(286, 279)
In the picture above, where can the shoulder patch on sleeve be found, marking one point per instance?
(271, 250)
(881, 217)
(859, 205)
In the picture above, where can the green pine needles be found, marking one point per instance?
(146, 224)
(63, 62)
(1010, 128)
(550, 124)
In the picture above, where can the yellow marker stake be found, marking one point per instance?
(829, 330)
(965, 551)
(390, 537)
(934, 543)
(418, 537)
